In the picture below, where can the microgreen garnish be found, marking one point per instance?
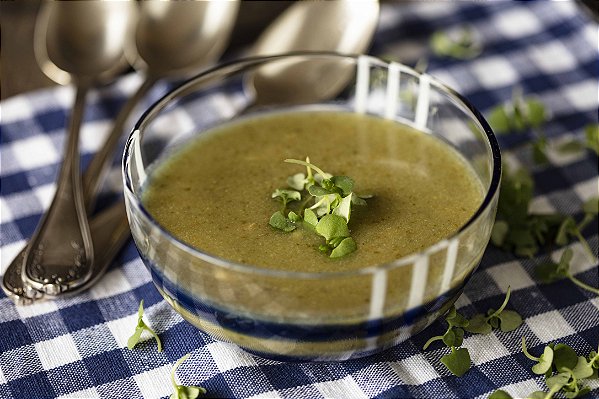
(500, 394)
(516, 229)
(286, 196)
(505, 320)
(454, 334)
(141, 326)
(279, 221)
(591, 141)
(325, 206)
(570, 229)
(550, 271)
(182, 391)
(519, 115)
(460, 44)
(569, 367)
(544, 361)
(591, 133)
(458, 360)
(522, 232)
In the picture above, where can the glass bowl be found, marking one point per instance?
(277, 313)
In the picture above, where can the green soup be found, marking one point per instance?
(214, 193)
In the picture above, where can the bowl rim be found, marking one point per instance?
(158, 105)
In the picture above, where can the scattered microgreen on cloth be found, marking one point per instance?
(184, 391)
(458, 360)
(140, 328)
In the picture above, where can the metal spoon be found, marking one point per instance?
(82, 42)
(342, 26)
(188, 35)
(172, 39)
(109, 230)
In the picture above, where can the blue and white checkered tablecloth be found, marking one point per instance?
(76, 347)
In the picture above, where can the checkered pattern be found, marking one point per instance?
(76, 347)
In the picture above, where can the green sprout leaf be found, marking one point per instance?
(454, 319)
(310, 217)
(537, 115)
(558, 380)
(518, 115)
(524, 233)
(499, 233)
(479, 325)
(458, 361)
(583, 369)
(460, 44)
(344, 183)
(294, 217)
(141, 326)
(594, 359)
(537, 395)
(550, 272)
(332, 226)
(343, 208)
(591, 206)
(454, 337)
(326, 204)
(544, 362)
(539, 151)
(279, 221)
(182, 391)
(505, 320)
(509, 320)
(345, 247)
(567, 229)
(318, 191)
(570, 147)
(359, 199)
(500, 120)
(297, 182)
(286, 196)
(591, 142)
(591, 133)
(564, 357)
(500, 394)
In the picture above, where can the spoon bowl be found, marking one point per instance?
(174, 39)
(82, 40)
(338, 26)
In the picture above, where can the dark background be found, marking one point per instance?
(19, 71)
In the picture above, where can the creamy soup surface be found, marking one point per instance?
(214, 193)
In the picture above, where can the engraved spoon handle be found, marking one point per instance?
(60, 253)
(110, 231)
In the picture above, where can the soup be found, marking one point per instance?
(214, 192)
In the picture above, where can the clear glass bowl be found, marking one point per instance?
(265, 311)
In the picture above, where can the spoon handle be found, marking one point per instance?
(60, 253)
(99, 164)
(109, 229)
